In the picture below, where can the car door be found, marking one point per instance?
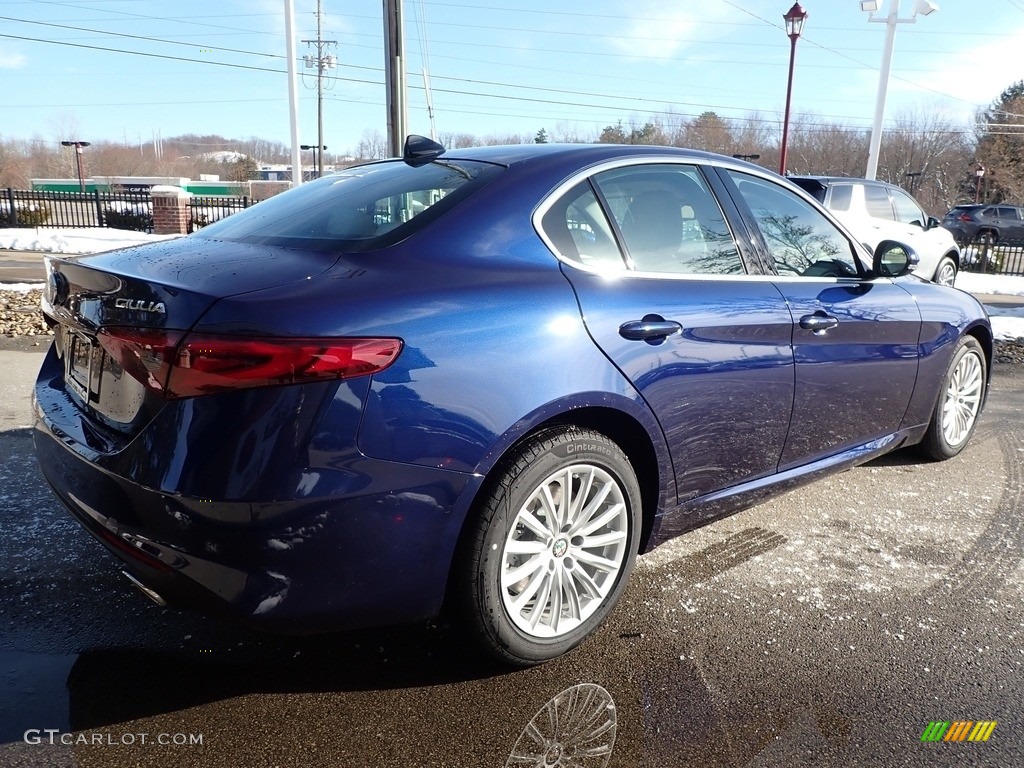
(855, 340)
(665, 294)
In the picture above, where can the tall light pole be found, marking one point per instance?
(321, 148)
(78, 159)
(293, 97)
(923, 7)
(794, 18)
(979, 174)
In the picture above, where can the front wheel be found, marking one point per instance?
(553, 546)
(960, 401)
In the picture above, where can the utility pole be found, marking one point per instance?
(321, 62)
(394, 76)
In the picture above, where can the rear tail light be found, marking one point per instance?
(185, 366)
(963, 217)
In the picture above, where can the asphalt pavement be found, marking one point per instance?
(829, 627)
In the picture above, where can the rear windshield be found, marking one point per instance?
(357, 209)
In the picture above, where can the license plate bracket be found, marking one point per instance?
(79, 359)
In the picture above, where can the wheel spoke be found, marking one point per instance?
(543, 596)
(518, 547)
(572, 593)
(603, 540)
(589, 585)
(600, 522)
(530, 567)
(535, 526)
(580, 497)
(601, 563)
(535, 583)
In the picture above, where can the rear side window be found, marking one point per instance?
(1008, 213)
(357, 209)
(580, 231)
(669, 220)
(842, 195)
(876, 200)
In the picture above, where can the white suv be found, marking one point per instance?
(874, 211)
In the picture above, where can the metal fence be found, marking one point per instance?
(34, 208)
(115, 210)
(994, 259)
(206, 210)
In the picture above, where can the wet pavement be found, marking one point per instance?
(826, 628)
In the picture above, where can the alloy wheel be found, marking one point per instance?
(564, 551)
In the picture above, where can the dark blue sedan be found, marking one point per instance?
(484, 380)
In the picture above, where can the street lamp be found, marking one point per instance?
(979, 173)
(913, 176)
(314, 147)
(78, 155)
(923, 7)
(794, 18)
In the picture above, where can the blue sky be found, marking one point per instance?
(496, 66)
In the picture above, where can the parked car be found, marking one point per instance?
(986, 223)
(874, 211)
(483, 380)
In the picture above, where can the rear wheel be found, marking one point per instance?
(960, 401)
(553, 547)
(945, 273)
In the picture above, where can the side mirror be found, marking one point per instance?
(933, 223)
(893, 259)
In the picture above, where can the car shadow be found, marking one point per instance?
(112, 685)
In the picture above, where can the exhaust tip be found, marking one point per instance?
(152, 595)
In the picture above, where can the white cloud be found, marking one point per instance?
(659, 33)
(11, 60)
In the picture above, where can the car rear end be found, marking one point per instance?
(962, 221)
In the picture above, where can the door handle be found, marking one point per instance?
(819, 322)
(651, 328)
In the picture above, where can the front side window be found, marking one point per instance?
(669, 220)
(907, 209)
(801, 240)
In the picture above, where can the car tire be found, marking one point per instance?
(960, 400)
(946, 272)
(987, 237)
(553, 545)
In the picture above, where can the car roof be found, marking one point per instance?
(826, 181)
(521, 153)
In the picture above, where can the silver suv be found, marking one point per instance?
(874, 211)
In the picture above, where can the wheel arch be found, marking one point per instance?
(984, 336)
(625, 429)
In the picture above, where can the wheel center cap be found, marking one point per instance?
(560, 547)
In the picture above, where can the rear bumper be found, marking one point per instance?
(369, 543)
